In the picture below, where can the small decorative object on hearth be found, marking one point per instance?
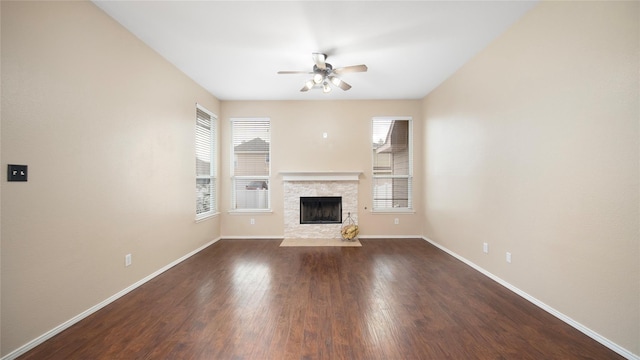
(349, 229)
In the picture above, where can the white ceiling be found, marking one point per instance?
(235, 48)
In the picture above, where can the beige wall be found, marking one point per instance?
(107, 129)
(533, 147)
(297, 144)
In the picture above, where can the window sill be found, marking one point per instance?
(206, 217)
(393, 211)
(249, 211)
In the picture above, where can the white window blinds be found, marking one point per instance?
(392, 164)
(206, 204)
(251, 166)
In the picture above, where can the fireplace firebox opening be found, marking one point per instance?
(321, 210)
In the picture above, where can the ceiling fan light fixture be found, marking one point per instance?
(317, 78)
(326, 88)
(335, 80)
(307, 85)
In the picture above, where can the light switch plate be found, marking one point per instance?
(17, 172)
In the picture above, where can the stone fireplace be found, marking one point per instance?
(329, 185)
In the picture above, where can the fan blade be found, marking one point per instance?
(319, 59)
(295, 72)
(350, 69)
(339, 83)
(307, 86)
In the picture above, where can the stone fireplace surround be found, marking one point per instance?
(297, 184)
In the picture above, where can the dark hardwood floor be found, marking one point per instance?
(389, 299)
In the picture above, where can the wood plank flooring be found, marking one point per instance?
(389, 299)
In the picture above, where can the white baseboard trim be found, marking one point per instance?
(280, 237)
(390, 237)
(585, 330)
(60, 328)
(259, 237)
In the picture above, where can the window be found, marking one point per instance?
(251, 142)
(206, 204)
(392, 164)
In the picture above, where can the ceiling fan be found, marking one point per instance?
(324, 74)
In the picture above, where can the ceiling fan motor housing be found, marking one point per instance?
(324, 72)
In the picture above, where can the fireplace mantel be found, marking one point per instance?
(320, 175)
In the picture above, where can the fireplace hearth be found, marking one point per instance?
(321, 210)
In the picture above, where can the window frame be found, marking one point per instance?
(213, 168)
(409, 208)
(233, 165)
